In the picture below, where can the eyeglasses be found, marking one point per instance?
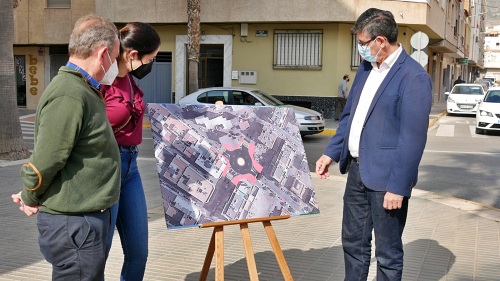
(366, 43)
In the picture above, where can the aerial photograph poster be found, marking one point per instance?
(227, 163)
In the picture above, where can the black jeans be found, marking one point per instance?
(75, 245)
(364, 212)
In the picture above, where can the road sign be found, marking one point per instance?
(421, 57)
(419, 40)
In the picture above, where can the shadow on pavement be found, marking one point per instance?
(328, 264)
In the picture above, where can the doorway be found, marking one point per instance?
(157, 86)
(211, 66)
(20, 64)
(181, 62)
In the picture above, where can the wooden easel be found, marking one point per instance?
(217, 246)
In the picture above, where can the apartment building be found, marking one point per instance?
(492, 52)
(297, 50)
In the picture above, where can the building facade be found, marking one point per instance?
(296, 50)
(492, 52)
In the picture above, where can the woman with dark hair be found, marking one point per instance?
(139, 44)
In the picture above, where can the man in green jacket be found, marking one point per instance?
(73, 176)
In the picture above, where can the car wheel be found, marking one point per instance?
(479, 131)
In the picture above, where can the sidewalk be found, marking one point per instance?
(445, 239)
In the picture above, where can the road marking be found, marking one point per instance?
(445, 131)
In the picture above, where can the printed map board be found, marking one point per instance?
(226, 163)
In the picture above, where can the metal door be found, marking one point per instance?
(157, 86)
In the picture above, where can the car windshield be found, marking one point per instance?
(467, 90)
(268, 99)
(493, 96)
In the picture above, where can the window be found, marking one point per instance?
(58, 3)
(355, 58)
(213, 96)
(298, 49)
(243, 98)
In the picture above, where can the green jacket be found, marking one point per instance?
(75, 165)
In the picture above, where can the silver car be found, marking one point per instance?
(310, 121)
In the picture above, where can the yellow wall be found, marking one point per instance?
(256, 53)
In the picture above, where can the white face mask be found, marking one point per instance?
(109, 76)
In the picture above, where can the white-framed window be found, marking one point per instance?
(355, 57)
(298, 49)
(58, 3)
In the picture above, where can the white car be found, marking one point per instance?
(488, 113)
(464, 99)
(310, 121)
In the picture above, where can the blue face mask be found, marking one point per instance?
(366, 53)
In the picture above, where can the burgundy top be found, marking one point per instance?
(119, 110)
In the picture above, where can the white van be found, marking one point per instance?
(491, 78)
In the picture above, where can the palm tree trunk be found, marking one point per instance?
(193, 50)
(11, 139)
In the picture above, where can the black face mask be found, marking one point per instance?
(142, 70)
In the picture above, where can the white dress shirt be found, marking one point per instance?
(371, 86)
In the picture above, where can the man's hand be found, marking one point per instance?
(28, 210)
(392, 201)
(322, 166)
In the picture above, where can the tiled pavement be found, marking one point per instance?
(445, 239)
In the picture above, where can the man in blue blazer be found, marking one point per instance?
(380, 141)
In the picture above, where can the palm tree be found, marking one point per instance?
(12, 146)
(193, 50)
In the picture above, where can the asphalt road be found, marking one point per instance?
(456, 161)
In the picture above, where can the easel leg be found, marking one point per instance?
(247, 243)
(208, 258)
(219, 253)
(271, 235)
(217, 246)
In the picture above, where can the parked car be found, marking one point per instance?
(464, 98)
(488, 112)
(310, 121)
(492, 80)
(485, 83)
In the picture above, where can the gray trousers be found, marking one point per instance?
(75, 245)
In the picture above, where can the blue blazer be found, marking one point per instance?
(395, 129)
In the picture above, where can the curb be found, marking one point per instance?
(432, 121)
(328, 132)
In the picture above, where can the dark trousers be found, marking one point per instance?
(340, 107)
(75, 245)
(364, 212)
